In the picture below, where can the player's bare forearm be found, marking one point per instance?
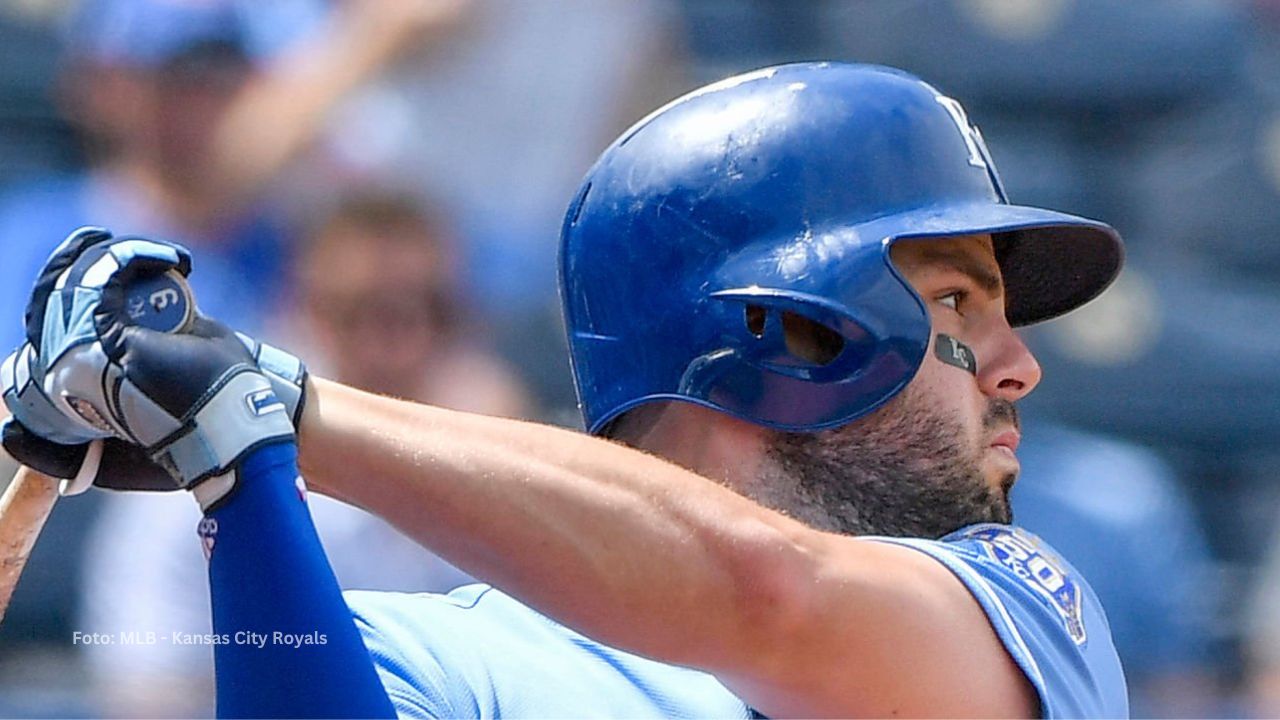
(625, 545)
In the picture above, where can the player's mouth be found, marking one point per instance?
(1007, 442)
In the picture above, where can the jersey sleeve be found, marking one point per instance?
(1046, 616)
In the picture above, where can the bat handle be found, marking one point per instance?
(24, 507)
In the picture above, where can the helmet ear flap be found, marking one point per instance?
(811, 340)
(796, 335)
(793, 361)
(807, 340)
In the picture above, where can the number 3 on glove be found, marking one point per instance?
(163, 303)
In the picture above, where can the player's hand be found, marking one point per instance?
(98, 462)
(195, 401)
(116, 464)
(59, 320)
(60, 317)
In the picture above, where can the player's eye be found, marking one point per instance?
(952, 299)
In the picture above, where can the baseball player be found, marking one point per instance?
(790, 299)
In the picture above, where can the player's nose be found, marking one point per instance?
(1008, 370)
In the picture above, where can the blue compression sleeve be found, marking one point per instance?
(286, 643)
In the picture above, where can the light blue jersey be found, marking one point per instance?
(479, 653)
(1045, 614)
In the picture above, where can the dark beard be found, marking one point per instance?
(902, 471)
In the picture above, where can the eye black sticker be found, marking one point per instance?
(953, 352)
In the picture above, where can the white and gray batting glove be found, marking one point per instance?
(66, 392)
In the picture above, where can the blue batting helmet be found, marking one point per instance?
(770, 200)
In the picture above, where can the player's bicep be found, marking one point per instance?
(889, 632)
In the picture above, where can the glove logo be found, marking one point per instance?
(137, 308)
(86, 410)
(263, 402)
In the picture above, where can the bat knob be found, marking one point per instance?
(161, 302)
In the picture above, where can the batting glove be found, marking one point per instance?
(59, 319)
(47, 383)
(195, 401)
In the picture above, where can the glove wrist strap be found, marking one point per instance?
(245, 413)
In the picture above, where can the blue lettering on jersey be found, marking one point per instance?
(1038, 567)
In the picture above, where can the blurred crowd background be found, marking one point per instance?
(378, 185)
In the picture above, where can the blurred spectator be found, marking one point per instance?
(147, 84)
(1117, 513)
(506, 119)
(189, 110)
(380, 308)
(383, 312)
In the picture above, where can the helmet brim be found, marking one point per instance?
(1051, 262)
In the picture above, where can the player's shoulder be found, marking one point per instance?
(1043, 610)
